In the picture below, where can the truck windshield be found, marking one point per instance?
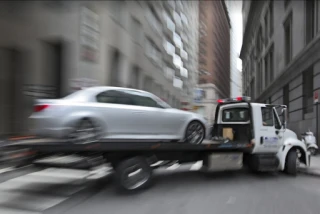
(235, 115)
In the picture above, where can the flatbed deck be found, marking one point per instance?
(51, 145)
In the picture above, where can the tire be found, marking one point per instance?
(195, 129)
(138, 181)
(82, 126)
(312, 151)
(291, 167)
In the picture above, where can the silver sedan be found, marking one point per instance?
(115, 113)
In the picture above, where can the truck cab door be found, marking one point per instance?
(267, 129)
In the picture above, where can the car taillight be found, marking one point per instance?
(38, 108)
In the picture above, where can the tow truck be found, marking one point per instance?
(244, 134)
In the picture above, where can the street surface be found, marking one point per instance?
(179, 189)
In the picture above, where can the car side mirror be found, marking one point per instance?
(284, 121)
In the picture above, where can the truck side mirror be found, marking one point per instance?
(284, 121)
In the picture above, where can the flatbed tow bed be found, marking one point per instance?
(52, 145)
(126, 157)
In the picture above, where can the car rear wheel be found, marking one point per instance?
(84, 132)
(195, 133)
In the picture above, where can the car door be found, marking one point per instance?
(268, 131)
(148, 114)
(118, 113)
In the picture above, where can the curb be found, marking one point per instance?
(309, 172)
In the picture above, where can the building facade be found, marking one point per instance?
(214, 56)
(50, 48)
(235, 14)
(280, 56)
(214, 45)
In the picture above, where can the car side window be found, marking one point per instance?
(267, 116)
(139, 99)
(114, 97)
(145, 101)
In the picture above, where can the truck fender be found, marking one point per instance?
(288, 145)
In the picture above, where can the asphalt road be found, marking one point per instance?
(177, 190)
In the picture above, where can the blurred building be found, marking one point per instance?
(214, 53)
(206, 101)
(280, 55)
(235, 14)
(50, 48)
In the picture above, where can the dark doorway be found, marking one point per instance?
(11, 95)
(135, 76)
(115, 69)
(54, 67)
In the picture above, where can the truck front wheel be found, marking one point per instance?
(291, 166)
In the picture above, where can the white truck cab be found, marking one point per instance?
(273, 145)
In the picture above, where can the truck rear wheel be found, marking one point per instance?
(291, 166)
(133, 174)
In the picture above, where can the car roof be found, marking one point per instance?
(97, 89)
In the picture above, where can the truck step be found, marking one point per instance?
(264, 163)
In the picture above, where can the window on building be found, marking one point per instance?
(177, 40)
(153, 52)
(286, 98)
(288, 39)
(252, 89)
(116, 10)
(153, 19)
(271, 17)
(308, 90)
(271, 64)
(115, 69)
(259, 77)
(266, 28)
(286, 3)
(310, 19)
(184, 18)
(266, 71)
(259, 41)
(134, 80)
(170, 24)
(267, 116)
(136, 30)
(169, 47)
(147, 84)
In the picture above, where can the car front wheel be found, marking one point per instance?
(195, 133)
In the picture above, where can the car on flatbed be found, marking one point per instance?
(115, 113)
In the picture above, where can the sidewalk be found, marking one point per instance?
(314, 168)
